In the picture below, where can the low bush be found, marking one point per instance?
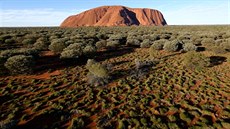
(23, 51)
(57, 46)
(4, 37)
(142, 67)
(118, 37)
(10, 41)
(20, 64)
(40, 45)
(158, 45)
(73, 51)
(89, 49)
(98, 74)
(195, 60)
(172, 46)
(112, 44)
(189, 47)
(146, 43)
(101, 44)
(28, 41)
(133, 42)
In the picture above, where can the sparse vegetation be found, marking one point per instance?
(128, 87)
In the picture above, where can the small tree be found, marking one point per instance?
(20, 64)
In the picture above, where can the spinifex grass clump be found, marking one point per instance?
(20, 64)
(195, 60)
(98, 74)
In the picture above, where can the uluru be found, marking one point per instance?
(116, 16)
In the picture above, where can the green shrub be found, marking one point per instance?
(72, 51)
(146, 43)
(196, 40)
(158, 45)
(133, 42)
(142, 67)
(96, 68)
(172, 46)
(101, 44)
(195, 60)
(165, 36)
(20, 64)
(41, 43)
(4, 37)
(10, 41)
(98, 74)
(112, 44)
(89, 49)
(189, 47)
(57, 46)
(118, 37)
(23, 51)
(28, 41)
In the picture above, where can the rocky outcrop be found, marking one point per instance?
(116, 16)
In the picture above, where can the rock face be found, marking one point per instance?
(116, 16)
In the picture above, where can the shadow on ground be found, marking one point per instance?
(217, 60)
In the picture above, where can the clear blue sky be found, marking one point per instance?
(53, 12)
